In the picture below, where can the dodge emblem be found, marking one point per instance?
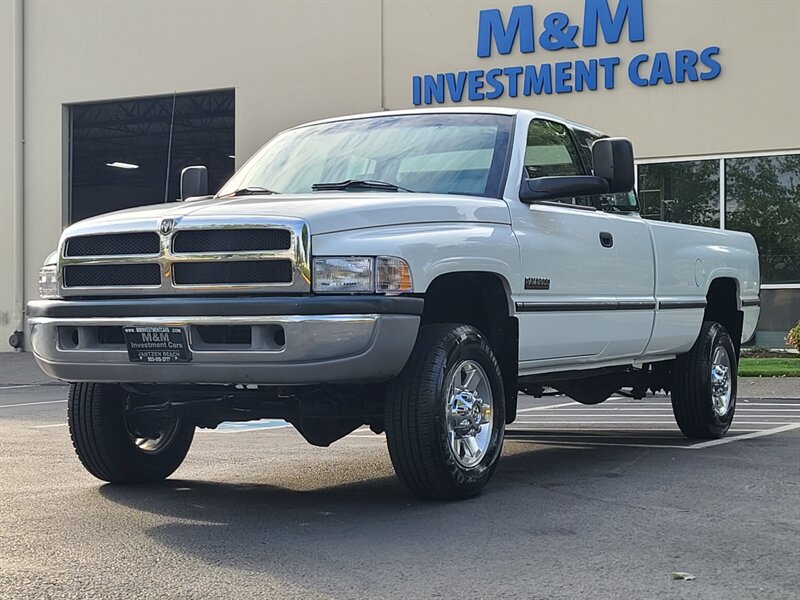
(167, 225)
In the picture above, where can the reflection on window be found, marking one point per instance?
(680, 192)
(762, 197)
(550, 151)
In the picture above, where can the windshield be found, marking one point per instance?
(433, 153)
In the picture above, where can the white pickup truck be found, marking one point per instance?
(411, 271)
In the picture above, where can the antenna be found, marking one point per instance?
(169, 147)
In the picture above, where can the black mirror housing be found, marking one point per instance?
(194, 182)
(552, 188)
(612, 159)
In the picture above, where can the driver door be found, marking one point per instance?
(566, 306)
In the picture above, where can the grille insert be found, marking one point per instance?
(112, 275)
(231, 240)
(113, 244)
(233, 272)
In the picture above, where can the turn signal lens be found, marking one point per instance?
(394, 276)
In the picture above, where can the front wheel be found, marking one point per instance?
(117, 445)
(704, 384)
(445, 414)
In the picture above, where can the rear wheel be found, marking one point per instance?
(116, 444)
(704, 384)
(445, 414)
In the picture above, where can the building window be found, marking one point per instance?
(762, 197)
(122, 154)
(681, 192)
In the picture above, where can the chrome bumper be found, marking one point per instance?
(316, 348)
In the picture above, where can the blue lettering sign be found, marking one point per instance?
(537, 81)
(491, 27)
(518, 31)
(598, 12)
(714, 68)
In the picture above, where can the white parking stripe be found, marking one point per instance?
(522, 410)
(747, 436)
(668, 409)
(632, 422)
(31, 403)
(53, 425)
(591, 443)
(18, 386)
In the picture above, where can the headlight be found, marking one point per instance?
(361, 275)
(48, 282)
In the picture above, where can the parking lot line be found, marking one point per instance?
(633, 422)
(747, 436)
(32, 403)
(18, 386)
(522, 410)
(52, 425)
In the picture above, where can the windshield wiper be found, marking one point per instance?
(250, 191)
(354, 184)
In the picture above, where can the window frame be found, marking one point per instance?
(721, 158)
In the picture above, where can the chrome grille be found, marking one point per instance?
(240, 272)
(231, 240)
(113, 244)
(186, 255)
(84, 276)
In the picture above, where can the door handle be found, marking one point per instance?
(606, 239)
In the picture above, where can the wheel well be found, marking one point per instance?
(723, 307)
(479, 299)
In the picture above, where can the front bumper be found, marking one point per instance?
(340, 339)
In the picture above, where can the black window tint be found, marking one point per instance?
(585, 141)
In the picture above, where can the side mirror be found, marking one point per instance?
(612, 159)
(552, 188)
(194, 182)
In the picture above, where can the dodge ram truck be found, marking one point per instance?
(411, 271)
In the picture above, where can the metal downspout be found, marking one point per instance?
(19, 171)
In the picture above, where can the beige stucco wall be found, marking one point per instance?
(293, 61)
(289, 61)
(753, 105)
(10, 167)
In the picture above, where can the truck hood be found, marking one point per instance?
(324, 212)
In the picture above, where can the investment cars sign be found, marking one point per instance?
(521, 29)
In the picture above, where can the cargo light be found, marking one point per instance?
(122, 165)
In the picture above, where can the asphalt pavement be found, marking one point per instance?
(588, 502)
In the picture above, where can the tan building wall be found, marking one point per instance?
(10, 169)
(753, 105)
(293, 61)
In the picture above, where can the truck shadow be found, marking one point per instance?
(350, 528)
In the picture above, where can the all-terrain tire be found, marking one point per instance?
(416, 414)
(104, 444)
(692, 386)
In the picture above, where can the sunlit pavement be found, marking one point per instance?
(588, 502)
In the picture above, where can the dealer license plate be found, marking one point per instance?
(157, 344)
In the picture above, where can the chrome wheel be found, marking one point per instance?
(469, 413)
(721, 381)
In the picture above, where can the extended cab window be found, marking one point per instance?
(551, 152)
